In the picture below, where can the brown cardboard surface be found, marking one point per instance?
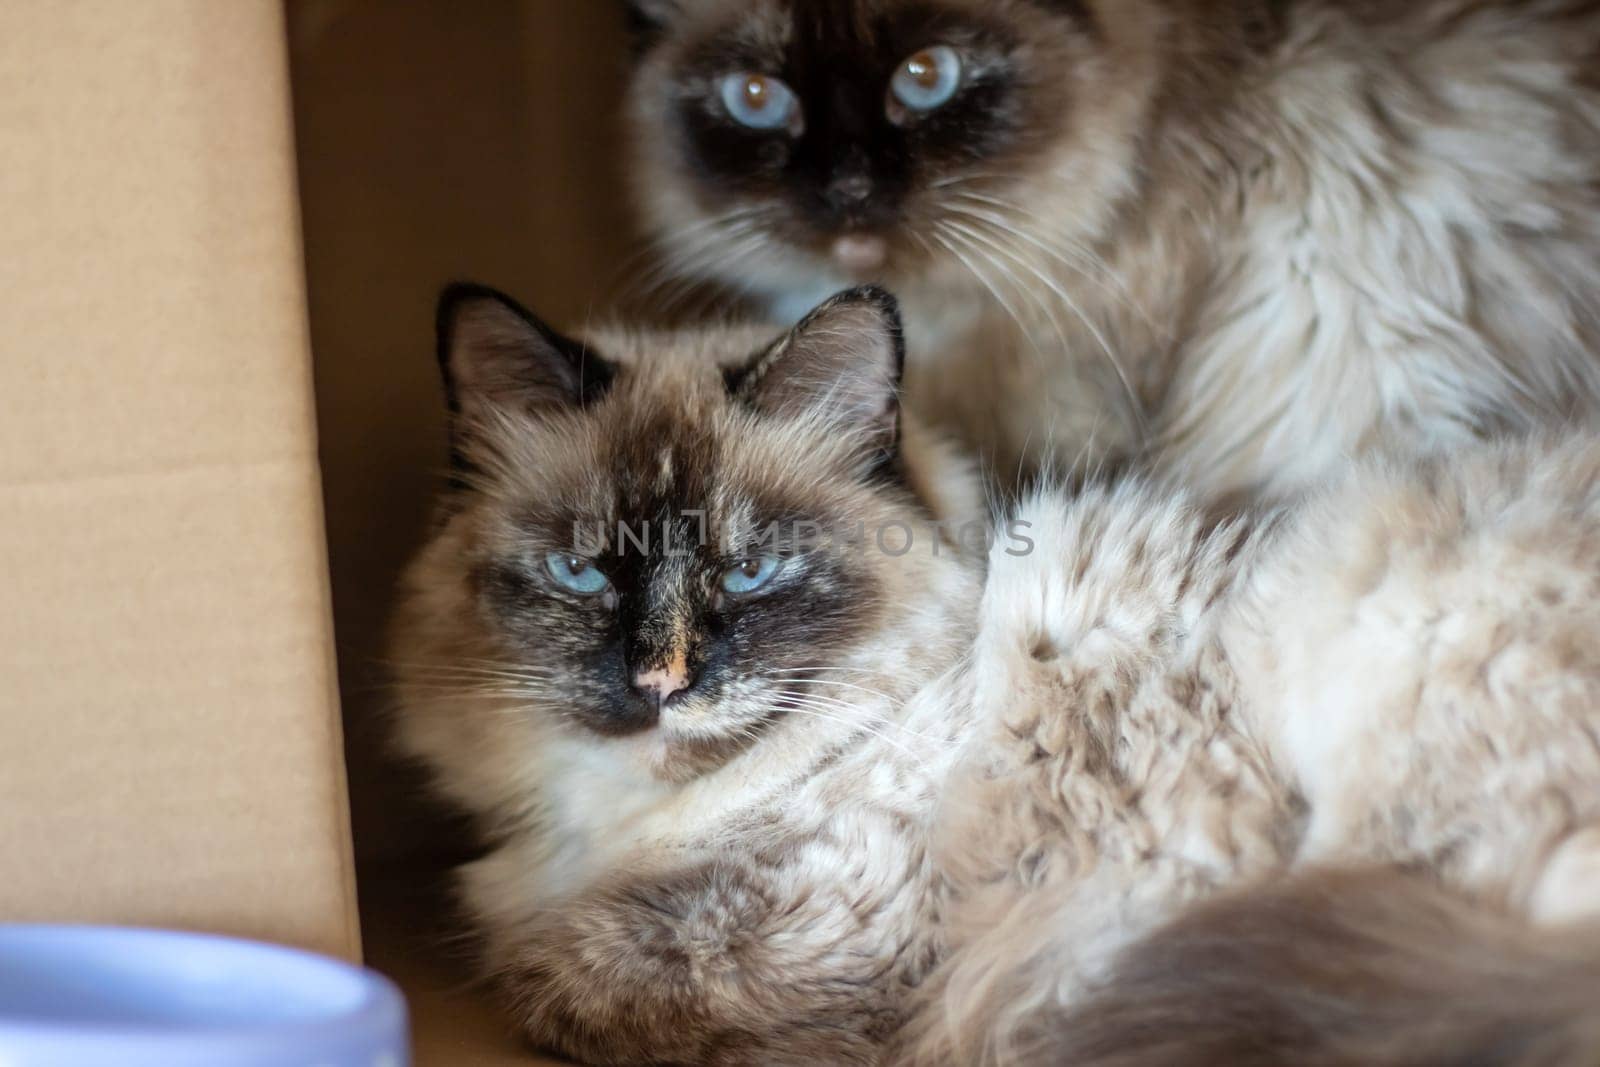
(170, 750)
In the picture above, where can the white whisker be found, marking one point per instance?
(1136, 408)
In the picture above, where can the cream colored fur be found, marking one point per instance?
(1400, 670)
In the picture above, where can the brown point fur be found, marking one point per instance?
(1359, 968)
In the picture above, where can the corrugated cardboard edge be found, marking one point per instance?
(336, 757)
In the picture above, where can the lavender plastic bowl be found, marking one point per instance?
(86, 996)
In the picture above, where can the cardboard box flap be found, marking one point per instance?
(171, 746)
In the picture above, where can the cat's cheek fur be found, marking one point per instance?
(477, 761)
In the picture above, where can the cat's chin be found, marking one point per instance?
(676, 751)
(861, 257)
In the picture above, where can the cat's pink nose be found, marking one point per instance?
(659, 684)
(860, 253)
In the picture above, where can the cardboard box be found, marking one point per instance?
(172, 743)
(172, 748)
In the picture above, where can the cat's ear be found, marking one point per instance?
(842, 364)
(648, 18)
(496, 355)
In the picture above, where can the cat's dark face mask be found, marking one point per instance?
(851, 140)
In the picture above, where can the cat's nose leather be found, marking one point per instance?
(660, 684)
(849, 190)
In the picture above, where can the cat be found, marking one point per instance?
(773, 765)
(1232, 242)
(740, 629)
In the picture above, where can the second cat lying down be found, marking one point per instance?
(770, 774)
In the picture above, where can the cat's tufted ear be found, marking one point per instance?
(496, 355)
(841, 364)
(648, 18)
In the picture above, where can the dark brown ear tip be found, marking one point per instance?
(453, 299)
(457, 295)
(886, 304)
(446, 310)
(880, 299)
(873, 294)
(456, 298)
(647, 20)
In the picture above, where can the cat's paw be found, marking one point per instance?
(1568, 889)
(708, 964)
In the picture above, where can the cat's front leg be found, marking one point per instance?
(716, 963)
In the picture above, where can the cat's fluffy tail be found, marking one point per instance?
(1378, 968)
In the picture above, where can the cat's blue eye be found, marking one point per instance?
(759, 102)
(928, 79)
(748, 575)
(576, 574)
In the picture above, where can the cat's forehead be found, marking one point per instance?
(669, 438)
(724, 480)
(679, 359)
(839, 18)
(775, 30)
